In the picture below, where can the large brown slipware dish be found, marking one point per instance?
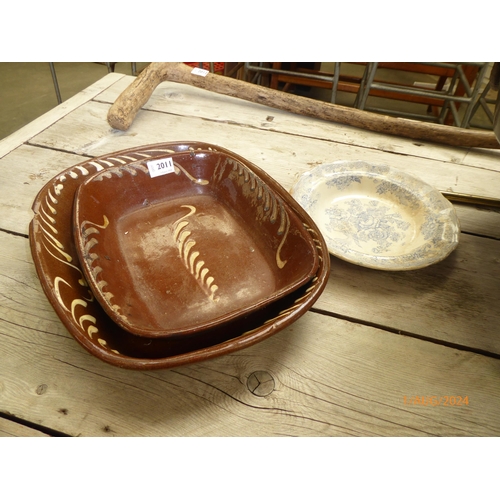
(203, 243)
(58, 268)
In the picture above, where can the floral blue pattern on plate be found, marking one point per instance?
(377, 216)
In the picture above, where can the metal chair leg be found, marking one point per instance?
(483, 102)
(56, 84)
(365, 85)
(336, 77)
(474, 97)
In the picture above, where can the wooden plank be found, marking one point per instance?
(9, 428)
(185, 100)
(36, 126)
(431, 299)
(483, 158)
(475, 220)
(321, 376)
(444, 301)
(454, 301)
(23, 173)
(86, 132)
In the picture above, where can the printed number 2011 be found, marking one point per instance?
(161, 166)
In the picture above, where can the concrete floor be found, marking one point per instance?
(27, 90)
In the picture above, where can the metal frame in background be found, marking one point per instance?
(471, 98)
(483, 101)
(56, 84)
(258, 70)
(254, 72)
(109, 65)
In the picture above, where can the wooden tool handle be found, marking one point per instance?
(123, 111)
(129, 102)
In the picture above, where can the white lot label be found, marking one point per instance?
(200, 72)
(160, 167)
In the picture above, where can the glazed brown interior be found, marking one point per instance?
(202, 245)
(57, 266)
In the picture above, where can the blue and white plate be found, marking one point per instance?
(377, 216)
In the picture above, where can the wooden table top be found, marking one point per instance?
(412, 353)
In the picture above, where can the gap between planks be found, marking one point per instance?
(404, 333)
(32, 426)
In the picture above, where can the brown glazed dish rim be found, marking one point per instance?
(117, 182)
(63, 282)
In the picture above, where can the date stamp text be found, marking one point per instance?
(436, 400)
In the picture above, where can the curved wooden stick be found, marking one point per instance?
(129, 102)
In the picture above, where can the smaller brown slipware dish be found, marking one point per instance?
(202, 243)
(63, 282)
